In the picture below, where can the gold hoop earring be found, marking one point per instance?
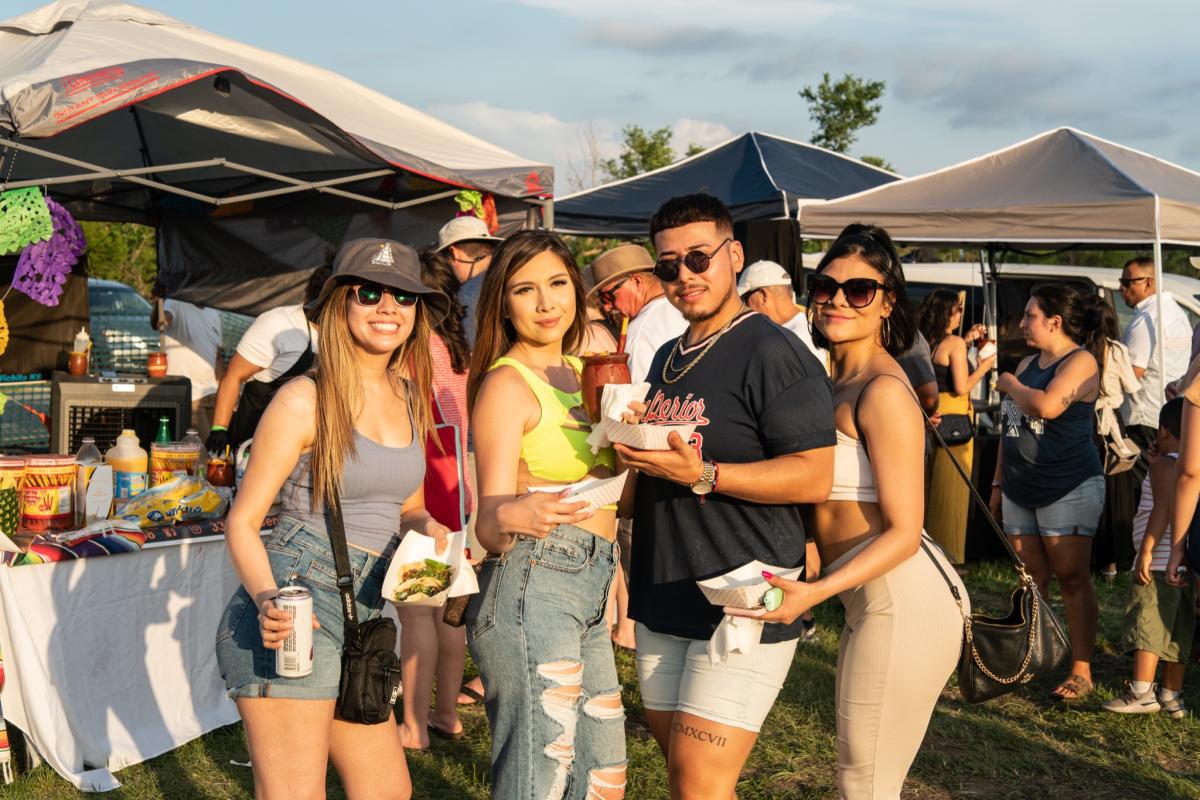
(887, 331)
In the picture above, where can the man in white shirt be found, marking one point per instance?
(469, 246)
(767, 288)
(625, 283)
(1138, 290)
(191, 338)
(279, 345)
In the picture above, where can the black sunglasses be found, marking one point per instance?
(697, 261)
(1127, 282)
(609, 295)
(369, 294)
(859, 292)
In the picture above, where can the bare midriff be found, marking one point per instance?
(603, 523)
(838, 526)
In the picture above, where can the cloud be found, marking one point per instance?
(674, 41)
(570, 146)
(776, 13)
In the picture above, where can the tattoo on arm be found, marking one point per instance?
(1069, 398)
(699, 735)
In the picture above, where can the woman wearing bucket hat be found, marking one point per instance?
(355, 426)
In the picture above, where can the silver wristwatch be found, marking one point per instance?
(708, 479)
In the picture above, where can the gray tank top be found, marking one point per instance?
(376, 481)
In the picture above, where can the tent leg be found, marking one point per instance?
(1161, 343)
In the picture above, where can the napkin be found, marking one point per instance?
(614, 402)
(741, 588)
(417, 547)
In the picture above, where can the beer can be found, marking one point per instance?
(294, 659)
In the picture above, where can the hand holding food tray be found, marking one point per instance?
(597, 492)
(643, 436)
(744, 587)
(420, 576)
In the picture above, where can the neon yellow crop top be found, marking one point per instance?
(556, 450)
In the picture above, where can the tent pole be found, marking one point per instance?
(548, 214)
(989, 299)
(1159, 289)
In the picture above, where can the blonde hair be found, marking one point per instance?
(340, 395)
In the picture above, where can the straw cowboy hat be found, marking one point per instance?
(612, 265)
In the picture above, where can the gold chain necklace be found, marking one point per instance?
(678, 348)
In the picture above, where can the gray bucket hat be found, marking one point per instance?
(384, 262)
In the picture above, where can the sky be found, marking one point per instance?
(542, 78)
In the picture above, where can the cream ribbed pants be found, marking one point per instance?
(902, 639)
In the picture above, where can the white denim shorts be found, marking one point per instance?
(675, 675)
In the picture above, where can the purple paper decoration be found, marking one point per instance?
(43, 267)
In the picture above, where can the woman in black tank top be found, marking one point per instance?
(1049, 482)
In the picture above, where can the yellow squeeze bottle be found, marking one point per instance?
(130, 465)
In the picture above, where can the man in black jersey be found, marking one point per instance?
(763, 411)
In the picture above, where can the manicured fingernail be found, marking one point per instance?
(768, 575)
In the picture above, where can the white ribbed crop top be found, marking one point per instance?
(853, 478)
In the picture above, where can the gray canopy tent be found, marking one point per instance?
(251, 165)
(1061, 187)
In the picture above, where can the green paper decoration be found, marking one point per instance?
(24, 219)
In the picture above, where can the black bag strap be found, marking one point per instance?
(341, 558)
(980, 502)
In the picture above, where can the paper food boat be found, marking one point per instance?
(743, 587)
(416, 547)
(597, 492)
(645, 437)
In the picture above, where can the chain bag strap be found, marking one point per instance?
(1002, 653)
(370, 679)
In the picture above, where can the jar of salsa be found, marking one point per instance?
(600, 369)
(220, 472)
(156, 365)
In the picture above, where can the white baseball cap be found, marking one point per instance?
(760, 274)
(465, 229)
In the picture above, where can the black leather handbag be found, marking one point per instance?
(956, 428)
(1000, 654)
(370, 680)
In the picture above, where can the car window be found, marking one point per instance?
(116, 300)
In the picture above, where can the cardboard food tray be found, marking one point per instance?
(597, 492)
(418, 547)
(645, 437)
(743, 587)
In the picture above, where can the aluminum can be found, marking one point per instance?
(294, 659)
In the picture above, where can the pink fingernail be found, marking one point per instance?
(768, 575)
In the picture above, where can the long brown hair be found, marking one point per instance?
(438, 273)
(340, 395)
(494, 333)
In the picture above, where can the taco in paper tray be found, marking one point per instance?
(422, 579)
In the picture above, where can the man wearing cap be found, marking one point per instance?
(470, 245)
(765, 287)
(625, 283)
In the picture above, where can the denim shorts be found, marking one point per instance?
(1075, 514)
(675, 674)
(297, 550)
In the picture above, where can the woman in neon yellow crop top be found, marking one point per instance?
(536, 629)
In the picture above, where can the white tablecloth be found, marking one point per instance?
(110, 661)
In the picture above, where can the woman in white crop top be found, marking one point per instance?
(903, 629)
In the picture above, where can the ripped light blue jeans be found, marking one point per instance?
(536, 630)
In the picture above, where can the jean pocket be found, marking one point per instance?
(231, 618)
(321, 574)
(482, 610)
(563, 555)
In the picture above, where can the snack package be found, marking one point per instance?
(181, 500)
(420, 576)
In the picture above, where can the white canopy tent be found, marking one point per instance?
(127, 114)
(1058, 188)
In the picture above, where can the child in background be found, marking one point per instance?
(1159, 617)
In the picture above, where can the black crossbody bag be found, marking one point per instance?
(370, 680)
(1000, 654)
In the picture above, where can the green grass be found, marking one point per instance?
(1021, 746)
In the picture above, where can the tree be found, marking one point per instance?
(642, 151)
(122, 251)
(878, 161)
(841, 109)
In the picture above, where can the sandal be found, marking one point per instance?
(442, 733)
(475, 696)
(1073, 689)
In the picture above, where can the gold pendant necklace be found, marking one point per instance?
(678, 348)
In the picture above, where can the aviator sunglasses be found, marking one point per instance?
(859, 292)
(697, 261)
(369, 294)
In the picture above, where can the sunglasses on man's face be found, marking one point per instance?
(859, 292)
(1127, 282)
(609, 296)
(369, 294)
(697, 261)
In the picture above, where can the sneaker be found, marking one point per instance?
(808, 629)
(1174, 709)
(1130, 703)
